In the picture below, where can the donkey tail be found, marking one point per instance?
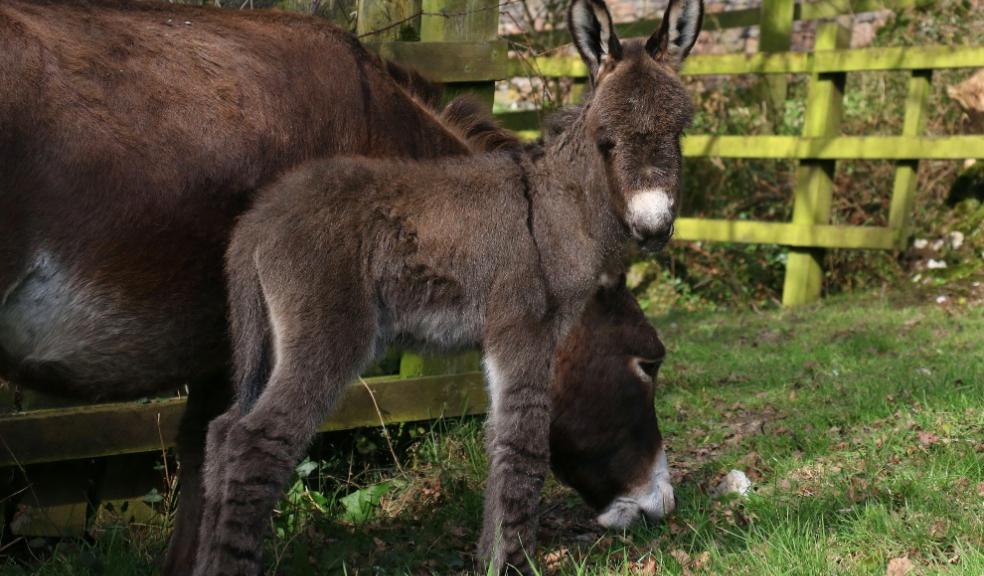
(250, 331)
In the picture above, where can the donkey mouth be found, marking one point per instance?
(655, 241)
(654, 499)
(625, 511)
(620, 514)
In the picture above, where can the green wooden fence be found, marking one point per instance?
(820, 145)
(459, 45)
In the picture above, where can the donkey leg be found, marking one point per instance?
(316, 358)
(213, 480)
(205, 401)
(517, 362)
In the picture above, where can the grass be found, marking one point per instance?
(859, 420)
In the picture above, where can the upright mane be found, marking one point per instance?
(556, 123)
(467, 115)
(416, 84)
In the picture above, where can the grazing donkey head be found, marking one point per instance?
(638, 110)
(604, 437)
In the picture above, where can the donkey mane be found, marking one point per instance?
(413, 82)
(468, 115)
(557, 122)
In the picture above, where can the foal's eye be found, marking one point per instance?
(605, 144)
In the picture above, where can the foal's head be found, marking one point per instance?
(637, 111)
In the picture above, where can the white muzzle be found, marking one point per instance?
(654, 498)
(650, 213)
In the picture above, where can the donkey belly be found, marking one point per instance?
(442, 328)
(63, 333)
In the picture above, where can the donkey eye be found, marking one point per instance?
(650, 367)
(605, 144)
(645, 368)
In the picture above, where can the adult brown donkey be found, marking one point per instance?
(131, 137)
(340, 257)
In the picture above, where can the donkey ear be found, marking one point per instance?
(591, 27)
(678, 32)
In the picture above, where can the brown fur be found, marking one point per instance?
(131, 136)
(504, 249)
(468, 117)
(614, 333)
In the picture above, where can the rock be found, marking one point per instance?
(956, 239)
(736, 482)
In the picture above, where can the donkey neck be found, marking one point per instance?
(573, 169)
(572, 219)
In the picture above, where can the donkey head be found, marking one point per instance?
(604, 438)
(637, 111)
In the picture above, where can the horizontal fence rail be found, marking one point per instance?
(854, 60)
(55, 434)
(837, 147)
(485, 61)
(806, 236)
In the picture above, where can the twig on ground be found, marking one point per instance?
(382, 424)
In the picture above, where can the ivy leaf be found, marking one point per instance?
(360, 505)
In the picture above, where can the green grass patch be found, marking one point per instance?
(859, 420)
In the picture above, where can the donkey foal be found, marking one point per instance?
(341, 257)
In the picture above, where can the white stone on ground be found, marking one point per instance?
(734, 483)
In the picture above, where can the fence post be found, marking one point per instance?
(776, 35)
(394, 19)
(454, 21)
(815, 178)
(904, 187)
(458, 21)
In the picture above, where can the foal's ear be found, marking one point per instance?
(678, 32)
(591, 27)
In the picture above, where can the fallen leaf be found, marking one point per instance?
(701, 560)
(648, 567)
(899, 567)
(927, 439)
(678, 528)
(682, 558)
(555, 558)
(938, 530)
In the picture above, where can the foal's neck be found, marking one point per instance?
(574, 221)
(573, 170)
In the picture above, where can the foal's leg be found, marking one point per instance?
(252, 352)
(213, 478)
(206, 400)
(517, 362)
(321, 346)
